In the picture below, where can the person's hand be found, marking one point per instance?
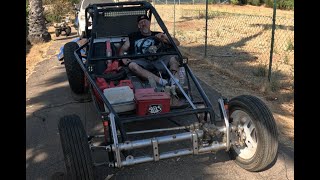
(162, 37)
(126, 61)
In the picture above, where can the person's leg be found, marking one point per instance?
(171, 62)
(139, 67)
(174, 66)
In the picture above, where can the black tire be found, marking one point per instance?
(74, 142)
(73, 69)
(259, 151)
(57, 32)
(68, 30)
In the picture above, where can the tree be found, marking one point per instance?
(37, 27)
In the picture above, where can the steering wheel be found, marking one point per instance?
(152, 49)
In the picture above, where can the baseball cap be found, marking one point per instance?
(142, 17)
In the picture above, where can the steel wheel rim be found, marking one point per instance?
(242, 120)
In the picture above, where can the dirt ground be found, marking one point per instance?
(38, 52)
(226, 81)
(239, 39)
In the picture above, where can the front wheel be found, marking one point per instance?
(254, 138)
(75, 74)
(75, 146)
(57, 32)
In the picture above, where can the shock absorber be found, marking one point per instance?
(106, 132)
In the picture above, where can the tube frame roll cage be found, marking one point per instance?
(196, 130)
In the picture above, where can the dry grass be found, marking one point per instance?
(239, 47)
(37, 53)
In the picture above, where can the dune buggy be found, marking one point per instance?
(243, 126)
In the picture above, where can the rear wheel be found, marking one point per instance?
(68, 30)
(75, 74)
(255, 138)
(74, 142)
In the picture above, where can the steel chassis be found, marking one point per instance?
(196, 131)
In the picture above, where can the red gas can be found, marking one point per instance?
(148, 102)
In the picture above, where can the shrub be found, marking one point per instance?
(235, 2)
(213, 1)
(243, 1)
(59, 9)
(290, 46)
(281, 4)
(254, 2)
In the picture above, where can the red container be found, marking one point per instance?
(151, 102)
(144, 90)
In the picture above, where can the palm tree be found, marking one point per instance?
(37, 27)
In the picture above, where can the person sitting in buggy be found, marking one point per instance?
(144, 41)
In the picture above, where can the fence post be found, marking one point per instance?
(272, 37)
(206, 31)
(174, 18)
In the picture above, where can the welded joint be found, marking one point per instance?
(130, 159)
(156, 155)
(195, 143)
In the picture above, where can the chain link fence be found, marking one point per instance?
(237, 38)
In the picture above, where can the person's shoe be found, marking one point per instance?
(172, 82)
(163, 82)
(185, 88)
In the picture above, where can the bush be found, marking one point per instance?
(213, 1)
(235, 2)
(281, 4)
(59, 9)
(243, 1)
(285, 4)
(254, 2)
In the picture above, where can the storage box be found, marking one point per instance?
(148, 102)
(121, 98)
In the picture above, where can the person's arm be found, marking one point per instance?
(124, 48)
(164, 38)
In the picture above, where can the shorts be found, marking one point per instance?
(155, 65)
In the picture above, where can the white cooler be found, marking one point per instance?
(121, 98)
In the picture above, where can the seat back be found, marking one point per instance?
(116, 23)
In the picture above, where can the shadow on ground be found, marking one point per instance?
(236, 63)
